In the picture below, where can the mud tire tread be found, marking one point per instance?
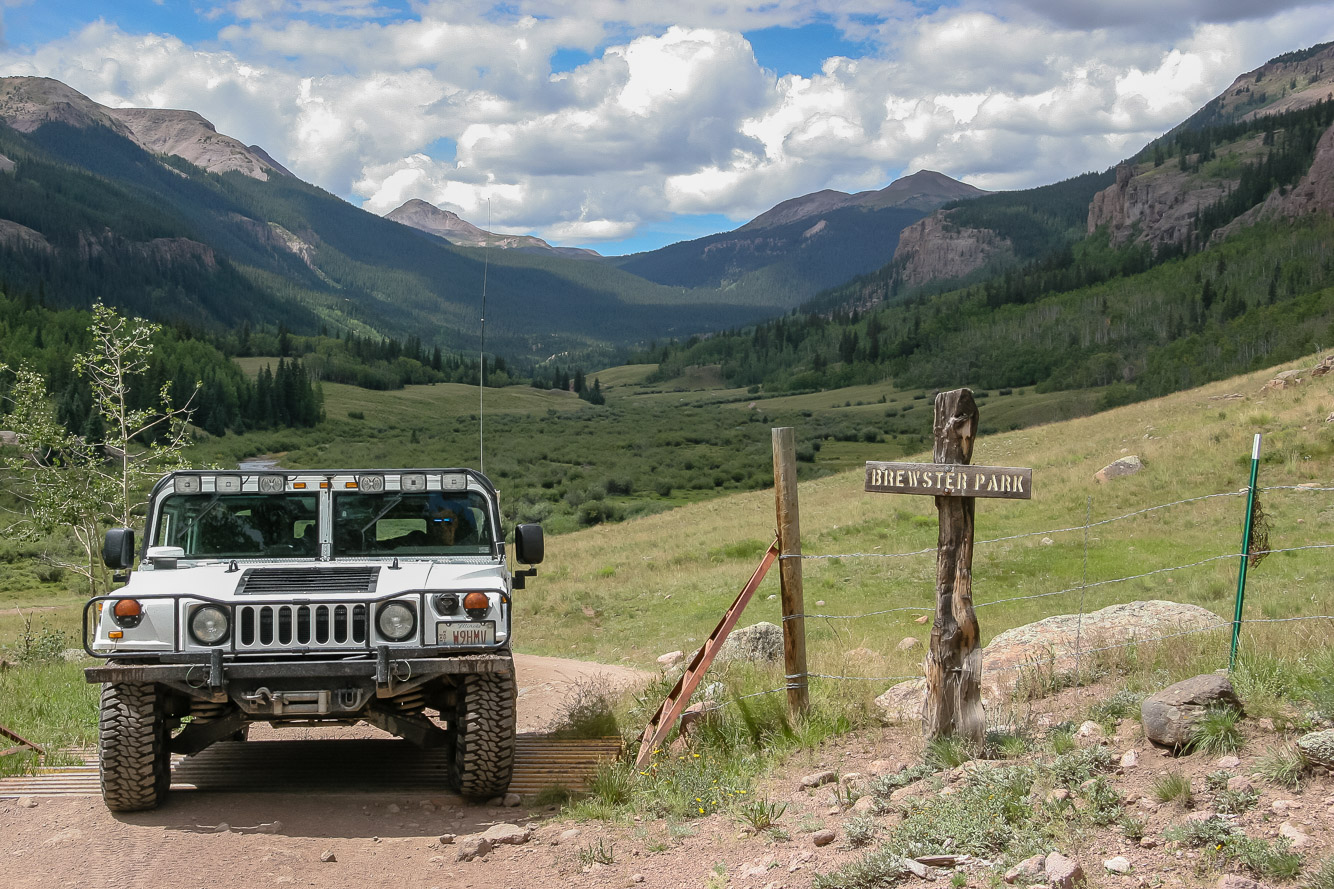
(132, 751)
(484, 734)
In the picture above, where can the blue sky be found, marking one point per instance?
(624, 125)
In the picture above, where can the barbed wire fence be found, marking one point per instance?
(1072, 656)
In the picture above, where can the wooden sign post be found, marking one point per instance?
(954, 662)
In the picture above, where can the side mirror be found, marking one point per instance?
(528, 544)
(118, 549)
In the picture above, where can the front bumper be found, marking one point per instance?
(394, 671)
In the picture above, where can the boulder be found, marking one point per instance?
(1120, 468)
(1325, 366)
(761, 643)
(1318, 747)
(1169, 717)
(1048, 646)
(1062, 872)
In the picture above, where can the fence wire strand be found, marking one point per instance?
(799, 680)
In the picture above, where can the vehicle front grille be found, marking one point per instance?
(307, 581)
(330, 626)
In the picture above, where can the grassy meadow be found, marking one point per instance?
(658, 580)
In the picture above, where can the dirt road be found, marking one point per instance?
(246, 839)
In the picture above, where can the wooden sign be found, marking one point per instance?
(953, 665)
(949, 480)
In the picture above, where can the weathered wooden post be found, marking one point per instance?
(789, 568)
(954, 662)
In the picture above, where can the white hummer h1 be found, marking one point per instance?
(309, 596)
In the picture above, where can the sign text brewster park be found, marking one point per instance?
(949, 481)
(953, 666)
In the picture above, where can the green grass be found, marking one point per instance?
(1216, 732)
(1173, 787)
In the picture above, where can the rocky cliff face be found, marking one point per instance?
(28, 102)
(1313, 194)
(1153, 205)
(935, 249)
(187, 135)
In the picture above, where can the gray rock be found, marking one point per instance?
(671, 658)
(1062, 872)
(1118, 865)
(1090, 734)
(1294, 835)
(823, 837)
(817, 779)
(1030, 870)
(908, 643)
(27, 802)
(1237, 881)
(1318, 747)
(1240, 784)
(570, 835)
(328, 857)
(447, 839)
(1120, 468)
(1169, 717)
(507, 834)
(471, 847)
(1129, 759)
(1228, 762)
(511, 800)
(760, 643)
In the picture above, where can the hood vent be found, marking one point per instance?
(307, 581)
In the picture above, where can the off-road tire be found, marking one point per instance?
(132, 747)
(483, 734)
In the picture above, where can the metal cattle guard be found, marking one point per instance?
(954, 662)
(662, 721)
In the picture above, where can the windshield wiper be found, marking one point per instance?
(379, 515)
(208, 507)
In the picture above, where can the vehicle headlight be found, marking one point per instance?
(396, 621)
(209, 625)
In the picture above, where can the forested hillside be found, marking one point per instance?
(1266, 295)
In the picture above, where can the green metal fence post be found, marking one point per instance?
(1245, 554)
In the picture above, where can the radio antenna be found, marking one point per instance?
(481, 357)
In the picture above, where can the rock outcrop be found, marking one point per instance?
(1153, 205)
(28, 102)
(188, 135)
(1048, 647)
(934, 249)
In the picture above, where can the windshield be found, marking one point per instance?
(436, 523)
(239, 525)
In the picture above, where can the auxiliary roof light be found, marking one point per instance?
(371, 484)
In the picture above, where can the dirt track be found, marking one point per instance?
(222, 840)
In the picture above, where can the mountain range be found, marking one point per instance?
(157, 212)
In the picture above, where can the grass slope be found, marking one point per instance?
(633, 591)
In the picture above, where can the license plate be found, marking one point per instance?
(469, 633)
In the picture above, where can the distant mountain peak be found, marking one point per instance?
(451, 227)
(924, 190)
(28, 102)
